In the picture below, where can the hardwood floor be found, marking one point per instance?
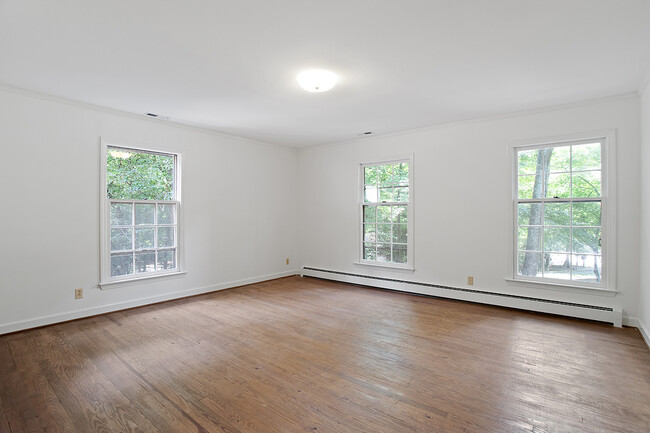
(307, 355)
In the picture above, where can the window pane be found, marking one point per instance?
(165, 237)
(369, 252)
(370, 194)
(133, 175)
(383, 232)
(557, 266)
(144, 214)
(166, 260)
(529, 264)
(121, 214)
(401, 173)
(145, 262)
(383, 253)
(587, 268)
(586, 184)
(399, 214)
(384, 226)
(385, 174)
(526, 185)
(557, 214)
(370, 175)
(586, 157)
(399, 233)
(386, 194)
(529, 214)
(556, 239)
(121, 264)
(569, 239)
(166, 214)
(369, 214)
(383, 214)
(527, 161)
(402, 194)
(399, 253)
(558, 185)
(530, 238)
(121, 239)
(560, 159)
(369, 231)
(586, 213)
(144, 238)
(586, 240)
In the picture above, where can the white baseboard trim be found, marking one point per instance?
(592, 312)
(93, 311)
(644, 332)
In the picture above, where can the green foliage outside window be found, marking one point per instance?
(560, 238)
(386, 196)
(143, 236)
(139, 175)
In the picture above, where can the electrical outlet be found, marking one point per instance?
(470, 281)
(287, 260)
(78, 293)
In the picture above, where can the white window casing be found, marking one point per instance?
(153, 245)
(550, 273)
(388, 252)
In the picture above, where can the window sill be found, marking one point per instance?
(138, 280)
(387, 266)
(568, 287)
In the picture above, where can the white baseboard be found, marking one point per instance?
(93, 311)
(611, 315)
(644, 332)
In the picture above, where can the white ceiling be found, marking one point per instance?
(230, 65)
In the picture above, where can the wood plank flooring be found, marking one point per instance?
(307, 355)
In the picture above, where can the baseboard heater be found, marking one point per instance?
(551, 306)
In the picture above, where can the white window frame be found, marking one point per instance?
(608, 213)
(106, 281)
(409, 265)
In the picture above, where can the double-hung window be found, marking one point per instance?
(386, 213)
(141, 204)
(560, 213)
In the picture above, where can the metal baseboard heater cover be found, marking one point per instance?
(571, 309)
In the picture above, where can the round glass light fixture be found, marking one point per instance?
(317, 80)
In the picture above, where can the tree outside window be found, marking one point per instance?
(559, 212)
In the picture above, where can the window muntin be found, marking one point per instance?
(385, 211)
(142, 214)
(559, 209)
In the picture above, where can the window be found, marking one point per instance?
(141, 205)
(560, 213)
(386, 213)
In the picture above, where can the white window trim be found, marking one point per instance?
(104, 216)
(609, 212)
(409, 265)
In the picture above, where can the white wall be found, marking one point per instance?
(644, 295)
(238, 200)
(462, 200)
(243, 201)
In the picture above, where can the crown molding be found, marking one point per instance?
(510, 115)
(170, 123)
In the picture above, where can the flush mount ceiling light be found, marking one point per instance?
(317, 80)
